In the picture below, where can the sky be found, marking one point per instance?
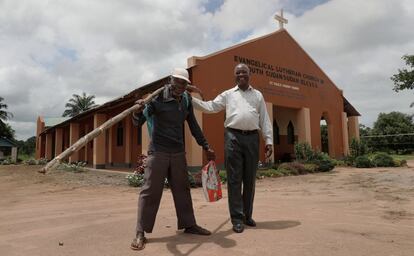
(52, 49)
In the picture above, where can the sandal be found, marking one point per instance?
(138, 243)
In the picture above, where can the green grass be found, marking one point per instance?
(24, 157)
(403, 157)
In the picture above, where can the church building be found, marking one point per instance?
(297, 92)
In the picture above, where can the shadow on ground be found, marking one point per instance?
(218, 236)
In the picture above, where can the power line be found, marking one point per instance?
(387, 135)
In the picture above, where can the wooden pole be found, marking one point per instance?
(96, 132)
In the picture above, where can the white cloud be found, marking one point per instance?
(52, 49)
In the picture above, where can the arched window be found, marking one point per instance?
(290, 133)
(120, 135)
(276, 135)
(139, 135)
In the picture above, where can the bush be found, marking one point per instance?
(73, 167)
(223, 176)
(362, 162)
(30, 161)
(311, 168)
(296, 168)
(304, 152)
(136, 179)
(141, 163)
(383, 160)
(357, 148)
(400, 163)
(6, 161)
(191, 180)
(287, 167)
(269, 173)
(42, 161)
(339, 162)
(323, 161)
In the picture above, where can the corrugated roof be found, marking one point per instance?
(4, 142)
(52, 121)
(125, 99)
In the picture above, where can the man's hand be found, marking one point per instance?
(193, 88)
(210, 154)
(268, 150)
(141, 103)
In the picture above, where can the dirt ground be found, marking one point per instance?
(345, 212)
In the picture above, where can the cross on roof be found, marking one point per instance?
(280, 19)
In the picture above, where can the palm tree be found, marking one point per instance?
(5, 129)
(78, 104)
(4, 115)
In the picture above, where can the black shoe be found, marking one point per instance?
(197, 230)
(238, 228)
(250, 222)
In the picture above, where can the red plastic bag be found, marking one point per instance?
(211, 182)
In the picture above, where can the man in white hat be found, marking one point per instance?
(165, 116)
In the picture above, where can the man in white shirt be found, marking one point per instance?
(245, 114)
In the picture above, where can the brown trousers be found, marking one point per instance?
(172, 166)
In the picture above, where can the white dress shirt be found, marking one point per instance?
(245, 110)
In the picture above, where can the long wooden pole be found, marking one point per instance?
(96, 132)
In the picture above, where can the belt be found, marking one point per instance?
(244, 132)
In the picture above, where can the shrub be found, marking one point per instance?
(295, 167)
(141, 163)
(287, 167)
(304, 152)
(323, 161)
(136, 179)
(6, 161)
(356, 148)
(42, 161)
(223, 176)
(311, 168)
(191, 180)
(30, 161)
(362, 162)
(73, 167)
(339, 162)
(383, 160)
(269, 173)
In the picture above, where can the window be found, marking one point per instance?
(276, 138)
(290, 133)
(139, 135)
(120, 135)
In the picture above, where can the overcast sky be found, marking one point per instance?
(50, 50)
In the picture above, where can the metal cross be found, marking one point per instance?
(280, 19)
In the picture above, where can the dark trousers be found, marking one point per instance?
(241, 159)
(172, 166)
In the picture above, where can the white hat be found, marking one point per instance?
(181, 73)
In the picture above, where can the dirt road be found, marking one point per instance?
(345, 212)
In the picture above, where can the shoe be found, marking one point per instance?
(197, 230)
(238, 228)
(250, 222)
(138, 243)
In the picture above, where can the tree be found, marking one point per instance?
(78, 104)
(4, 115)
(6, 131)
(392, 129)
(404, 80)
(27, 147)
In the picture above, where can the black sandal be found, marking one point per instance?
(138, 243)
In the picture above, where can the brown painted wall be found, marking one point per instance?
(214, 74)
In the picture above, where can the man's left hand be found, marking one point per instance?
(211, 155)
(268, 150)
